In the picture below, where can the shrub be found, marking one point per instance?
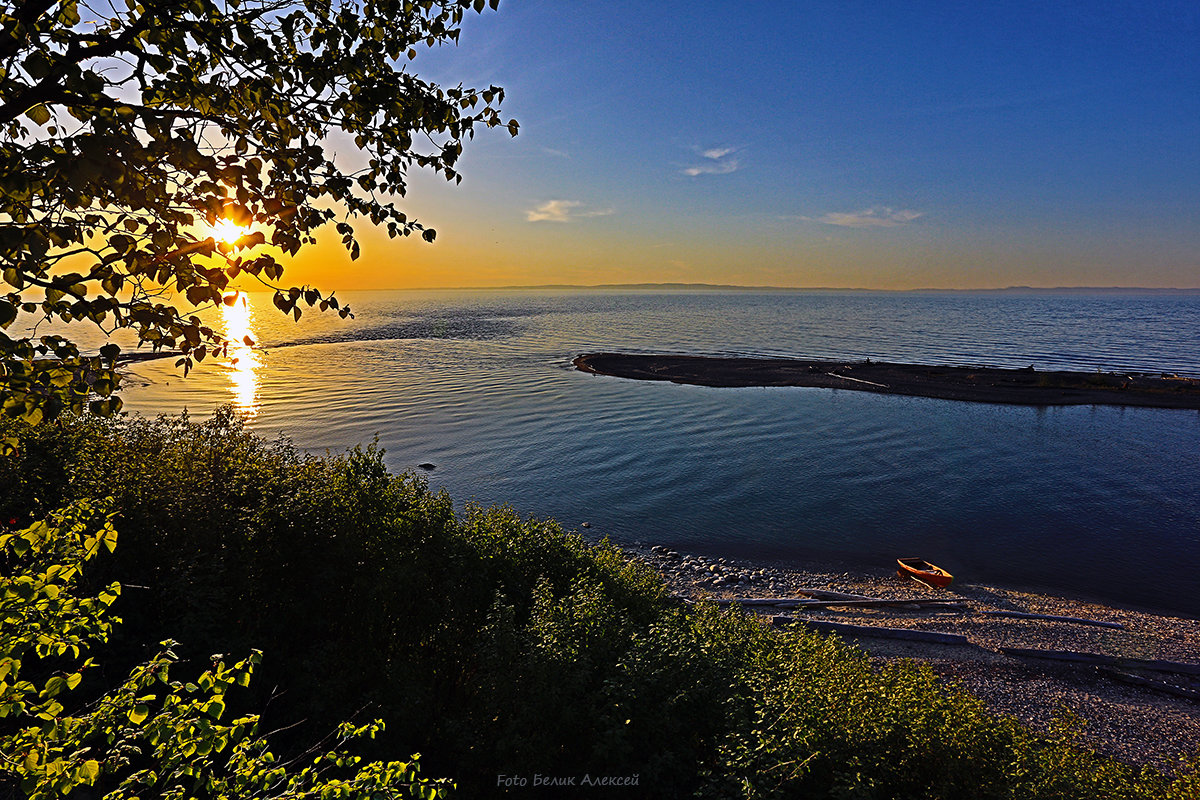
(150, 735)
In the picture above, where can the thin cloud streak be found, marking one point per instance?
(563, 211)
(718, 168)
(877, 217)
(719, 161)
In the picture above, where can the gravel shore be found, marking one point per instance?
(1136, 714)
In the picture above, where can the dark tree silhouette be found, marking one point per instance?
(129, 130)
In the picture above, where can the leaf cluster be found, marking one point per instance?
(151, 735)
(127, 132)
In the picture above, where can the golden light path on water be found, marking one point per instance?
(245, 362)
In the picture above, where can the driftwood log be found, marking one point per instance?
(1150, 683)
(801, 595)
(1101, 660)
(827, 594)
(1054, 618)
(917, 603)
(757, 601)
(857, 380)
(780, 602)
(906, 634)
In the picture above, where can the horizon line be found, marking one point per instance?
(767, 288)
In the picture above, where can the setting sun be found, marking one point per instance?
(228, 231)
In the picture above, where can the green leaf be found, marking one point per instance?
(138, 714)
(215, 707)
(89, 771)
(39, 114)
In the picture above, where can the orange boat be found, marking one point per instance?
(922, 570)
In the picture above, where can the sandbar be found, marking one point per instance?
(982, 384)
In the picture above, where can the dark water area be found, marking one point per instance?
(1097, 501)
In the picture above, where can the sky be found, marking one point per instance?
(844, 144)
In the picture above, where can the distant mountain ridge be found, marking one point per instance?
(723, 287)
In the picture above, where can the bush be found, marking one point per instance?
(828, 724)
(151, 734)
(492, 643)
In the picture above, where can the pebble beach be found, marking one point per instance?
(1141, 705)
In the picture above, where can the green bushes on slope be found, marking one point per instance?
(65, 734)
(496, 645)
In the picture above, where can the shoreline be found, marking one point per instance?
(973, 384)
(1134, 714)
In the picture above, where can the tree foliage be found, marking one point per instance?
(151, 735)
(126, 134)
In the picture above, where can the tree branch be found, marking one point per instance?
(25, 14)
(48, 88)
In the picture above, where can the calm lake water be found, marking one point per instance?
(1095, 501)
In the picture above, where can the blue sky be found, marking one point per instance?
(887, 145)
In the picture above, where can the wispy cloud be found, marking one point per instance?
(877, 217)
(717, 168)
(717, 161)
(564, 211)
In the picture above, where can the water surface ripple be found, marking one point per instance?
(1097, 501)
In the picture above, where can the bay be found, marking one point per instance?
(1095, 501)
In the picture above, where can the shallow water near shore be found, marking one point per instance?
(1098, 501)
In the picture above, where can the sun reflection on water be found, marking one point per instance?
(245, 361)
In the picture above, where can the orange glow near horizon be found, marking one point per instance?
(498, 253)
(245, 361)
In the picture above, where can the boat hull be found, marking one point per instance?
(924, 571)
